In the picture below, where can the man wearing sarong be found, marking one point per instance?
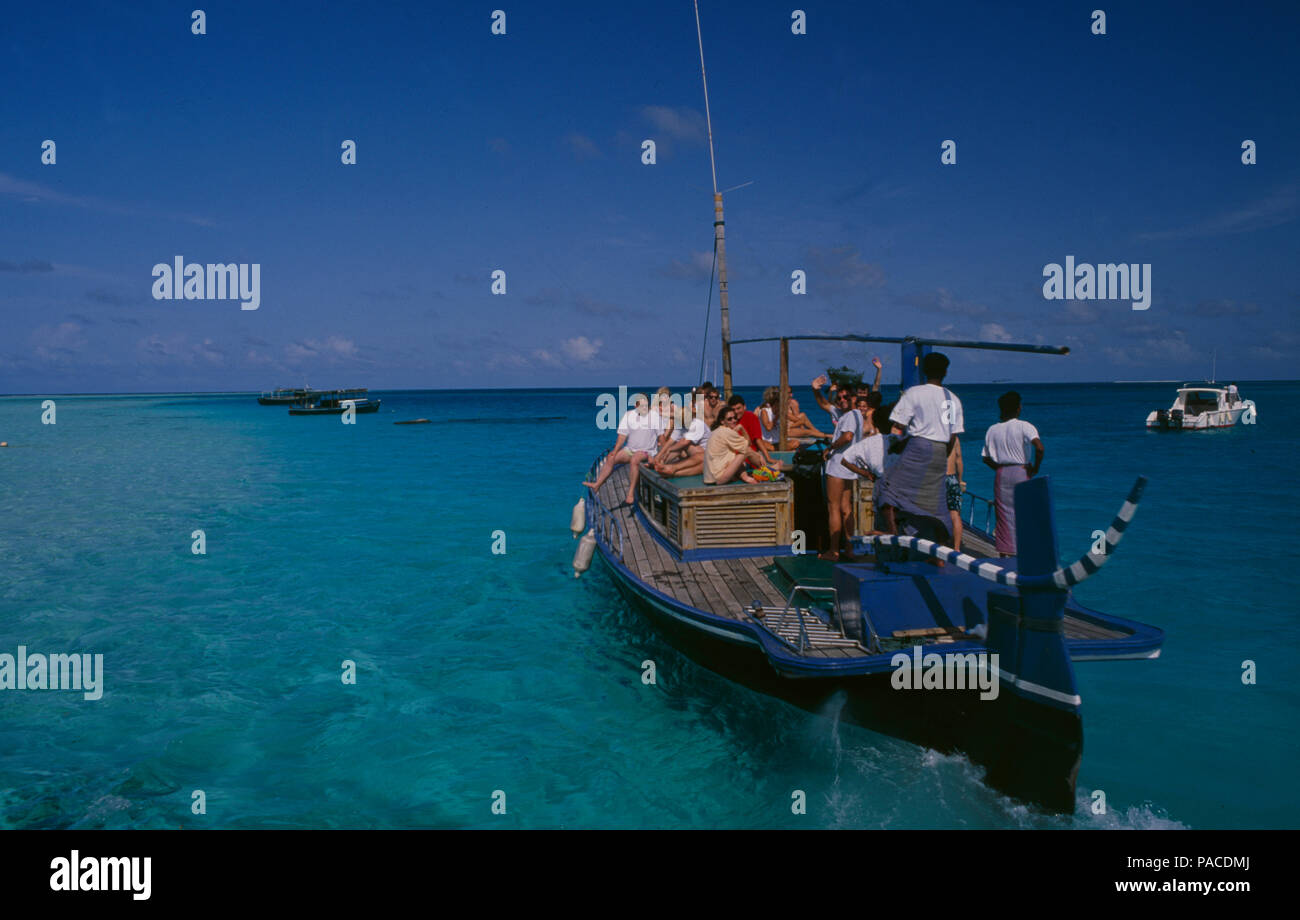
(1006, 450)
(930, 416)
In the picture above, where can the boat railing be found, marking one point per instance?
(977, 501)
(792, 606)
(604, 520)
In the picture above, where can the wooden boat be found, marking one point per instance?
(719, 571)
(716, 570)
(335, 402)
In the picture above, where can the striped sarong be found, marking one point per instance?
(1004, 500)
(916, 484)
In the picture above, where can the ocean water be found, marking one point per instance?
(479, 673)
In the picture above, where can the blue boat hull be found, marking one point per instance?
(1031, 751)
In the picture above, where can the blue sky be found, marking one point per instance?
(522, 152)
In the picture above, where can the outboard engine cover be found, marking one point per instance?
(1162, 418)
(1176, 418)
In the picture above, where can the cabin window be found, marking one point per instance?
(1197, 403)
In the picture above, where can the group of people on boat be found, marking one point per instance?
(909, 450)
(721, 442)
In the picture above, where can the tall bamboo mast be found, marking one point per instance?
(719, 225)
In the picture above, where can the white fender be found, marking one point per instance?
(578, 519)
(582, 556)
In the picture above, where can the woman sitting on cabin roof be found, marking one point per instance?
(750, 425)
(767, 417)
(798, 425)
(729, 450)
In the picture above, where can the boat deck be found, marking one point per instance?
(726, 587)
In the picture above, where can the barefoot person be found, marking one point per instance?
(798, 425)
(685, 456)
(839, 480)
(1006, 450)
(728, 450)
(954, 486)
(930, 415)
(638, 441)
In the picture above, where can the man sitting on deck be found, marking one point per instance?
(638, 441)
(729, 451)
(708, 402)
(685, 456)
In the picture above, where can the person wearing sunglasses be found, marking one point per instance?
(707, 403)
(729, 451)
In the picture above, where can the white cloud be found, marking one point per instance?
(334, 348)
(581, 349)
(994, 332)
(679, 124)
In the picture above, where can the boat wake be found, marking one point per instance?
(886, 783)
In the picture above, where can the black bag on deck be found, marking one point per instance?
(810, 512)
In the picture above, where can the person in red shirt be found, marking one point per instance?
(749, 421)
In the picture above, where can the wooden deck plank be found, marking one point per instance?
(731, 595)
(712, 592)
(747, 571)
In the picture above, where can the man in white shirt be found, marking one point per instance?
(684, 456)
(930, 416)
(1006, 450)
(870, 458)
(638, 440)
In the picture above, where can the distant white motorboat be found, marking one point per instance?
(1202, 407)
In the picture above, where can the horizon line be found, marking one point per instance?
(745, 386)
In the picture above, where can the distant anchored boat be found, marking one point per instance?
(1197, 408)
(335, 402)
(284, 396)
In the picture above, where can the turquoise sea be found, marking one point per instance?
(478, 672)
